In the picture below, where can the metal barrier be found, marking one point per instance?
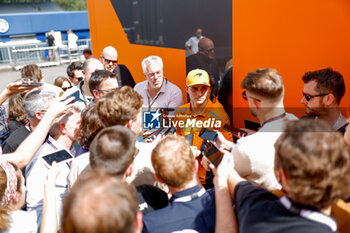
(39, 55)
(21, 54)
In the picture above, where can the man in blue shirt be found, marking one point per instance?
(191, 207)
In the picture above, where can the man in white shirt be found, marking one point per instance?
(191, 44)
(72, 40)
(254, 154)
(63, 133)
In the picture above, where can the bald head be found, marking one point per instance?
(109, 58)
(90, 66)
(206, 47)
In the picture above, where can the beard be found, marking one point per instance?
(316, 111)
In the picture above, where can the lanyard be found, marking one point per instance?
(190, 197)
(51, 144)
(274, 119)
(30, 127)
(309, 214)
(151, 102)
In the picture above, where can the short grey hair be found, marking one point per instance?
(37, 101)
(149, 60)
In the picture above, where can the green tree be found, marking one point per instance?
(72, 5)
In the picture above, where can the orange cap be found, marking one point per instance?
(197, 77)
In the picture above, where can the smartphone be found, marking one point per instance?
(252, 125)
(189, 138)
(76, 95)
(208, 134)
(58, 156)
(235, 131)
(213, 154)
(25, 84)
(172, 130)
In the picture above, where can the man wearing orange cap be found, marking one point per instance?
(200, 112)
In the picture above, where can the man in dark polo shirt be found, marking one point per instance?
(313, 166)
(51, 42)
(191, 207)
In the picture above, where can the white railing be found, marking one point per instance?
(21, 54)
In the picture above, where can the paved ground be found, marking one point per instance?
(49, 73)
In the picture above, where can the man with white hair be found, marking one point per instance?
(157, 91)
(85, 95)
(109, 59)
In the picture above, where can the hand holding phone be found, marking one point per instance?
(57, 156)
(208, 134)
(213, 154)
(30, 84)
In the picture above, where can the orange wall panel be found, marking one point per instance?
(106, 29)
(292, 36)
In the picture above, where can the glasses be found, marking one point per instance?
(114, 62)
(79, 78)
(245, 97)
(309, 97)
(107, 91)
(159, 72)
(212, 50)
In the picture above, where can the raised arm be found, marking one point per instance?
(188, 49)
(49, 219)
(25, 152)
(222, 143)
(225, 217)
(11, 89)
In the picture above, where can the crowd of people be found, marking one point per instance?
(74, 159)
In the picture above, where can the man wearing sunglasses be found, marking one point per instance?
(75, 72)
(102, 82)
(254, 154)
(109, 59)
(322, 93)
